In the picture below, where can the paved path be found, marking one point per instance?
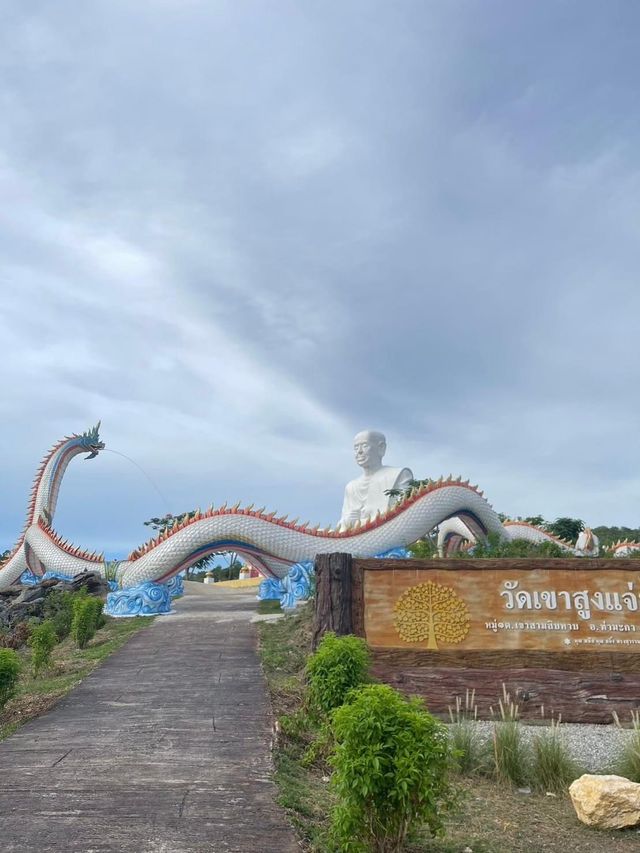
(163, 749)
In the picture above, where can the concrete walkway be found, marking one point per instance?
(164, 748)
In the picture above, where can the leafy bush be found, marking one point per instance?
(9, 674)
(496, 547)
(58, 608)
(391, 766)
(338, 665)
(83, 624)
(552, 767)
(98, 614)
(42, 642)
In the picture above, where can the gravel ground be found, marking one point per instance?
(595, 748)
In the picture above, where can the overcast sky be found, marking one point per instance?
(239, 232)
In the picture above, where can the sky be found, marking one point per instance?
(238, 232)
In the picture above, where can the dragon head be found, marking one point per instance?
(90, 440)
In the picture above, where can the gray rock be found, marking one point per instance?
(23, 610)
(31, 593)
(92, 582)
(8, 594)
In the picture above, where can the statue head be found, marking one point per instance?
(369, 446)
(90, 440)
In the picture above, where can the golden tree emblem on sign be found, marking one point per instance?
(431, 612)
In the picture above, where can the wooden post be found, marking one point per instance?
(333, 595)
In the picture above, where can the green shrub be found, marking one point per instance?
(339, 665)
(83, 624)
(9, 674)
(98, 616)
(496, 547)
(552, 767)
(391, 764)
(42, 642)
(58, 608)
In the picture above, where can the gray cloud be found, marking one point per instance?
(240, 232)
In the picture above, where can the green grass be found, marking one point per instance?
(53, 683)
(284, 647)
(8, 729)
(270, 606)
(627, 763)
(306, 798)
(552, 767)
(120, 631)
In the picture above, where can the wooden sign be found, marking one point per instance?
(508, 608)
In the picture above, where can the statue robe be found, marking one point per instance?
(364, 497)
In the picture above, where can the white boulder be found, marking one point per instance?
(606, 802)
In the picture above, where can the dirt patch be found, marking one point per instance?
(492, 819)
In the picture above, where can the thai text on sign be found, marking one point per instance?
(494, 609)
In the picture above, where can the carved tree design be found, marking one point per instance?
(431, 612)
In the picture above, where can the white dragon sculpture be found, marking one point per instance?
(271, 543)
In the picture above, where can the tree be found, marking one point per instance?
(401, 494)
(609, 535)
(431, 612)
(4, 555)
(566, 528)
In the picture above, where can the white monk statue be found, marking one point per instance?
(364, 497)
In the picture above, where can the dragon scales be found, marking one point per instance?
(272, 544)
